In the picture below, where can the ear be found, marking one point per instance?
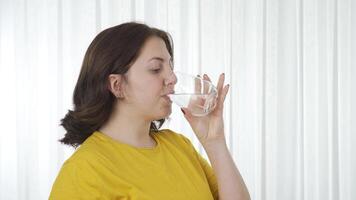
(115, 85)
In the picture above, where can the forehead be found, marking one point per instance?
(154, 46)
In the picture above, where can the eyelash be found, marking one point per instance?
(157, 70)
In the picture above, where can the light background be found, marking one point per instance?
(290, 113)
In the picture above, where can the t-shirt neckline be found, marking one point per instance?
(120, 143)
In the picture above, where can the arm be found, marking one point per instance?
(209, 130)
(230, 183)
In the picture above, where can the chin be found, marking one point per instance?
(166, 112)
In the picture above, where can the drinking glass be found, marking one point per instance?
(192, 92)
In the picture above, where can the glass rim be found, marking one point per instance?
(201, 78)
(213, 90)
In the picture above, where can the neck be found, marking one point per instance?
(126, 127)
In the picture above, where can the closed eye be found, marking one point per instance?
(156, 70)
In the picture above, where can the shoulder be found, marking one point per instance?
(82, 162)
(77, 178)
(81, 168)
(81, 155)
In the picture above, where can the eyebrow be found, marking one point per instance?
(158, 58)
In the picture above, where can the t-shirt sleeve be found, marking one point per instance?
(208, 170)
(75, 180)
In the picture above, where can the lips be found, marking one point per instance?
(167, 98)
(171, 92)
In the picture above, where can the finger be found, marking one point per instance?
(223, 95)
(188, 116)
(220, 84)
(206, 85)
(198, 100)
(207, 77)
(197, 85)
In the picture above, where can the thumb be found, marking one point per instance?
(186, 113)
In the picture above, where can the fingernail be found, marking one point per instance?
(182, 111)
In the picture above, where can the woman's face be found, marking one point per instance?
(150, 79)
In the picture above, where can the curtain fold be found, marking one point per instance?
(290, 114)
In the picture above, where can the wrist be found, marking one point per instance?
(215, 144)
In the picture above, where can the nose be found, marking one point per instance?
(171, 79)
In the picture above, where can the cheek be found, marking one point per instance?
(150, 92)
(146, 89)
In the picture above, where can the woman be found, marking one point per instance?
(120, 103)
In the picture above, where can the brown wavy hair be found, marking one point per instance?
(112, 51)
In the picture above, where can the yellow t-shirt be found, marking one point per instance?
(103, 168)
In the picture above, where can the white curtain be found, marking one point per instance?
(290, 113)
